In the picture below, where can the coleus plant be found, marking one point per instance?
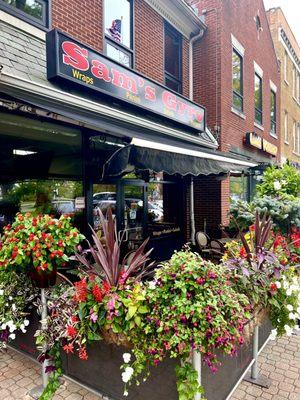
(106, 259)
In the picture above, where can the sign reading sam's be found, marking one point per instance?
(68, 59)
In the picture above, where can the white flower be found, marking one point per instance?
(289, 292)
(278, 284)
(273, 334)
(10, 298)
(277, 185)
(23, 329)
(1, 292)
(285, 285)
(125, 377)
(289, 307)
(126, 357)
(12, 336)
(26, 322)
(13, 307)
(12, 328)
(292, 316)
(288, 330)
(152, 285)
(125, 393)
(298, 310)
(297, 327)
(284, 182)
(129, 371)
(294, 288)
(3, 326)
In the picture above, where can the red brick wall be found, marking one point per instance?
(85, 23)
(81, 20)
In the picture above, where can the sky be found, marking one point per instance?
(291, 10)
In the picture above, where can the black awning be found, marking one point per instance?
(132, 157)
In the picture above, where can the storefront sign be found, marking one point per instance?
(79, 203)
(68, 59)
(252, 139)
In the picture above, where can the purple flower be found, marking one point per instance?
(93, 316)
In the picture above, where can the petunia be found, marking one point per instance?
(126, 357)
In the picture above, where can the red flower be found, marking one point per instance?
(106, 287)
(83, 353)
(71, 331)
(74, 319)
(243, 252)
(81, 290)
(252, 228)
(97, 293)
(69, 348)
(273, 287)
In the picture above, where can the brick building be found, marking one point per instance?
(288, 53)
(237, 79)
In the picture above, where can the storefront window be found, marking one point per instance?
(238, 188)
(258, 98)
(173, 58)
(55, 197)
(35, 11)
(104, 197)
(118, 30)
(237, 80)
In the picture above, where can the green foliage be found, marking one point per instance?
(55, 375)
(187, 382)
(280, 182)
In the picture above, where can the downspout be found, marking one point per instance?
(191, 95)
(196, 357)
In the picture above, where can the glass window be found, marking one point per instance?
(238, 188)
(173, 58)
(258, 98)
(32, 10)
(294, 82)
(285, 66)
(286, 127)
(118, 30)
(294, 137)
(273, 112)
(117, 54)
(237, 80)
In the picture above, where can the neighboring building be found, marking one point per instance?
(288, 53)
(237, 79)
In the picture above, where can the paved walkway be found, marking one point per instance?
(280, 361)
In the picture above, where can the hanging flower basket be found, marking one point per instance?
(118, 339)
(43, 279)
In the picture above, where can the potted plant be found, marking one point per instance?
(38, 245)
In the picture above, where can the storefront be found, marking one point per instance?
(89, 134)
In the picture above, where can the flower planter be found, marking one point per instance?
(102, 369)
(43, 279)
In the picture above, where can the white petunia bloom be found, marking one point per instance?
(26, 322)
(277, 185)
(12, 336)
(1, 292)
(278, 284)
(125, 377)
(298, 310)
(126, 357)
(285, 285)
(125, 393)
(13, 307)
(292, 316)
(129, 371)
(273, 334)
(289, 292)
(152, 285)
(289, 307)
(10, 298)
(288, 330)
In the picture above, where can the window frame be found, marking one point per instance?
(286, 127)
(235, 93)
(43, 24)
(120, 46)
(294, 137)
(167, 75)
(285, 66)
(256, 109)
(273, 122)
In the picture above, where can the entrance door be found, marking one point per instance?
(132, 205)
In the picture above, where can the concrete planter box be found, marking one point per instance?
(102, 369)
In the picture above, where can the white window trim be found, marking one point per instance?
(240, 114)
(258, 70)
(273, 87)
(22, 25)
(237, 46)
(259, 126)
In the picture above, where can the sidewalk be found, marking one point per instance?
(280, 361)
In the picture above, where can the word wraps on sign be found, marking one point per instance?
(69, 60)
(254, 140)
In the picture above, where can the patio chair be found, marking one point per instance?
(202, 240)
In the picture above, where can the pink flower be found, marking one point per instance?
(93, 316)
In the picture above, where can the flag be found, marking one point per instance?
(115, 29)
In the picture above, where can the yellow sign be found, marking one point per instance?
(269, 147)
(262, 144)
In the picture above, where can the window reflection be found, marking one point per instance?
(33, 8)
